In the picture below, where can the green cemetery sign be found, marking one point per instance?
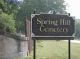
(50, 25)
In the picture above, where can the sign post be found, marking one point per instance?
(69, 49)
(52, 26)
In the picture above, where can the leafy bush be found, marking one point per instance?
(7, 23)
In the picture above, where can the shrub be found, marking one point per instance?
(7, 23)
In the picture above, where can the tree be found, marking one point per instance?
(8, 10)
(9, 6)
(28, 7)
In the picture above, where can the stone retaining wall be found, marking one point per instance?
(12, 48)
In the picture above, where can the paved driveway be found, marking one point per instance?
(74, 41)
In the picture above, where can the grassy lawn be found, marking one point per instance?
(55, 50)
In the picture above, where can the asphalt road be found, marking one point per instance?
(74, 41)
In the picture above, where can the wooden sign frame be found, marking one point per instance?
(67, 22)
(55, 37)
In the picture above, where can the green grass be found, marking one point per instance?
(55, 50)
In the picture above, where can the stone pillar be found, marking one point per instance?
(28, 34)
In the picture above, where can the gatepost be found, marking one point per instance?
(53, 27)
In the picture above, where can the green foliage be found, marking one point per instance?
(41, 6)
(7, 23)
(77, 30)
(7, 8)
(7, 16)
(28, 7)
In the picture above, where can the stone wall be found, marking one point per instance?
(16, 45)
(1, 47)
(12, 48)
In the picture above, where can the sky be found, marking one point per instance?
(73, 8)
